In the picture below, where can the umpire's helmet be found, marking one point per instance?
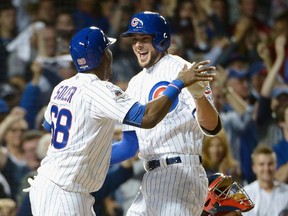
(153, 24)
(87, 48)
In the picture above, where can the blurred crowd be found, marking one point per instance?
(247, 40)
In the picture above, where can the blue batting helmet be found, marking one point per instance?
(87, 48)
(153, 24)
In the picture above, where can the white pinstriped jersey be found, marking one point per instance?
(82, 111)
(178, 132)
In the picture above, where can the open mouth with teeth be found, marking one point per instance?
(143, 56)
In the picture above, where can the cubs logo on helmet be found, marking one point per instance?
(135, 22)
(158, 89)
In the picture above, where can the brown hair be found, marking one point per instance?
(229, 161)
(261, 149)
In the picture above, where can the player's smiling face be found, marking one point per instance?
(146, 54)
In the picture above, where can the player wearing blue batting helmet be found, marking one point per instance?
(151, 23)
(87, 48)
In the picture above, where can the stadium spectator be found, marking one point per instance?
(281, 148)
(269, 196)
(217, 156)
(14, 166)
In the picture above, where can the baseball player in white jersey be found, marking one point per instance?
(175, 182)
(81, 115)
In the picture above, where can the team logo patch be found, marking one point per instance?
(207, 90)
(119, 93)
(136, 22)
(81, 61)
(158, 89)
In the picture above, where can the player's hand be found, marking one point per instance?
(197, 72)
(197, 89)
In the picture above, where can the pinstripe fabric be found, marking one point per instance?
(80, 166)
(176, 189)
(58, 201)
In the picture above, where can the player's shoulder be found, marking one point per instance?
(176, 60)
(171, 64)
(138, 77)
(89, 82)
(252, 186)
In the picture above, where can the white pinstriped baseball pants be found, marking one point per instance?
(48, 199)
(173, 190)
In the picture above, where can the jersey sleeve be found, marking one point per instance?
(126, 127)
(109, 101)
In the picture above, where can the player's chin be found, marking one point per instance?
(145, 64)
(141, 63)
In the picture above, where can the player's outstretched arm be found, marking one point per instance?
(207, 115)
(157, 109)
(149, 115)
(124, 149)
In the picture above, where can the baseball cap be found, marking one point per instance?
(277, 91)
(234, 57)
(257, 68)
(232, 73)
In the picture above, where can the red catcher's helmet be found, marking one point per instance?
(225, 195)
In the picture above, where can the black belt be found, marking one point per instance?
(153, 164)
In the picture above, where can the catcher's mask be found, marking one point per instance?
(225, 195)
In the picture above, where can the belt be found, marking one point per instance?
(153, 164)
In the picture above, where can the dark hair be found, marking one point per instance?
(282, 17)
(6, 6)
(280, 112)
(31, 134)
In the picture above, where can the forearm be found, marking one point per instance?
(271, 77)
(4, 125)
(207, 115)
(238, 104)
(31, 103)
(282, 173)
(268, 62)
(124, 149)
(3, 157)
(155, 111)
